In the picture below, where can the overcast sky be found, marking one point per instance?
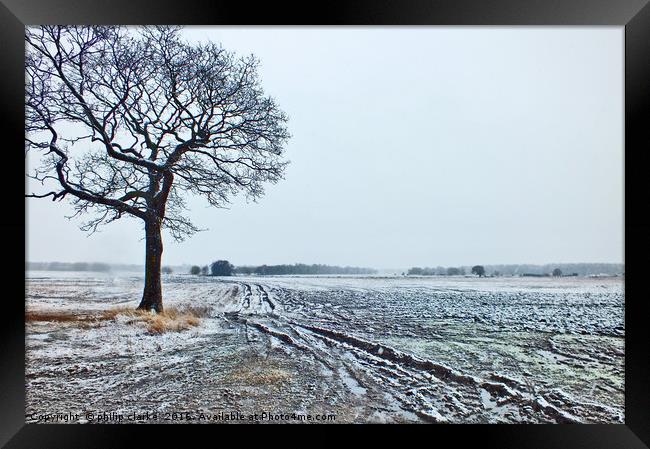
(416, 146)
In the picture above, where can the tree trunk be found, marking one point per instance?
(152, 295)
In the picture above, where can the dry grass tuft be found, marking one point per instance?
(112, 314)
(272, 376)
(175, 322)
(60, 316)
(258, 372)
(170, 320)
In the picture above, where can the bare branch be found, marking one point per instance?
(146, 119)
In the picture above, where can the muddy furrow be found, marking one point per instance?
(246, 302)
(414, 365)
(410, 381)
(291, 341)
(400, 358)
(264, 297)
(409, 377)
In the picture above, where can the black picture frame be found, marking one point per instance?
(633, 15)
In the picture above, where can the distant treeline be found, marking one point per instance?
(300, 268)
(93, 266)
(68, 266)
(439, 271)
(575, 269)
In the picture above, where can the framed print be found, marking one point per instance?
(414, 213)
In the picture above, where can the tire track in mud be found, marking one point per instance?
(246, 302)
(291, 341)
(386, 365)
(264, 297)
(430, 390)
(390, 378)
(411, 381)
(275, 326)
(305, 340)
(413, 374)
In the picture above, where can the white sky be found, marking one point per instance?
(415, 146)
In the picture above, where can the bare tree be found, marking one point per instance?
(130, 121)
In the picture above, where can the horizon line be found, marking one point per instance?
(339, 265)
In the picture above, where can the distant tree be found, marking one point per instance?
(129, 121)
(222, 268)
(478, 270)
(452, 271)
(496, 273)
(205, 270)
(195, 270)
(415, 271)
(557, 272)
(167, 270)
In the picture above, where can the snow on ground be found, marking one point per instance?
(367, 349)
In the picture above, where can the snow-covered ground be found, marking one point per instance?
(366, 349)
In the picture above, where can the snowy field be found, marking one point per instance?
(365, 349)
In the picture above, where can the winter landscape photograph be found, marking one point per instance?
(234, 224)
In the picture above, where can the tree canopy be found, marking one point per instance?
(478, 270)
(135, 119)
(222, 268)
